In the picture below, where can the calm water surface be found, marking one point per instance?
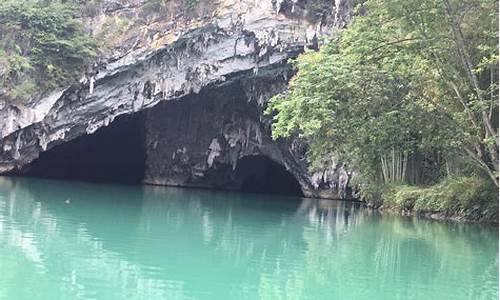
(123, 242)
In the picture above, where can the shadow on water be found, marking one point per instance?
(223, 245)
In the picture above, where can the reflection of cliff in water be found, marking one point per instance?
(99, 219)
(153, 236)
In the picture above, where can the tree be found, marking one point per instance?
(406, 80)
(42, 42)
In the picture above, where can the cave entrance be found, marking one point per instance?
(260, 174)
(114, 153)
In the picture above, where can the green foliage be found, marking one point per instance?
(23, 90)
(406, 83)
(88, 8)
(162, 7)
(42, 42)
(191, 3)
(469, 197)
(112, 29)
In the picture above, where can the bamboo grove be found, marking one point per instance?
(407, 93)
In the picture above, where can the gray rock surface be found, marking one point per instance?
(236, 57)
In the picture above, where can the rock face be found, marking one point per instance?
(200, 94)
(210, 134)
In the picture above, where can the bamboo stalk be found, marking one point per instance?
(384, 171)
(405, 163)
(399, 165)
(393, 164)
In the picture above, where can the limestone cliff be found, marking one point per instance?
(198, 79)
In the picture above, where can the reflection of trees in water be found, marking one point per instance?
(263, 241)
(400, 257)
(370, 257)
(152, 237)
(335, 217)
(246, 226)
(427, 252)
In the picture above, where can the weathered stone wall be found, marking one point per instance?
(241, 48)
(199, 139)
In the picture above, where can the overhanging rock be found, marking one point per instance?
(233, 62)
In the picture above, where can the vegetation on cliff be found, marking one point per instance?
(407, 95)
(46, 44)
(461, 198)
(43, 45)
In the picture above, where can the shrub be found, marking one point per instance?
(44, 42)
(469, 197)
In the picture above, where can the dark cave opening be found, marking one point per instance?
(114, 153)
(259, 174)
(118, 153)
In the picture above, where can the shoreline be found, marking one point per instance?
(384, 209)
(435, 216)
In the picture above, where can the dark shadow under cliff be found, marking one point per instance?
(169, 144)
(112, 154)
(259, 174)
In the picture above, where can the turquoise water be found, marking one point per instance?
(64, 240)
